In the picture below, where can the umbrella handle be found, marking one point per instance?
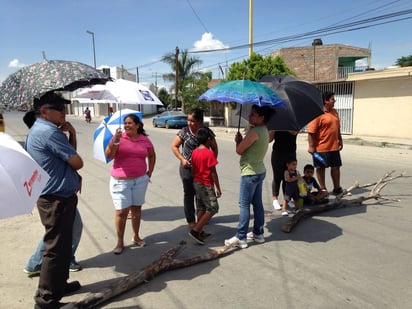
(240, 115)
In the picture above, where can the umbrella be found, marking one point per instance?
(21, 179)
(119, 91)
(303, 102)
(117, 119)
(101, 138)
(242, 92)
(105, 131)
(33, 81)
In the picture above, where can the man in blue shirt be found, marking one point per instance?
(49, 146)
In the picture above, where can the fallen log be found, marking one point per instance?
(340, 202)
(165, 262)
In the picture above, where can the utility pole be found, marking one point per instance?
(137, 74)
(156, 75)
(250, 28)
(94, 48)
(177, 76)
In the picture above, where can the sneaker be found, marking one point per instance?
(241, 243)
(196, 236)
(204, 234)
(32, 273)
(276, 205)
(285, 213)
(74, 266)
(71, 287)
(257, 238)
(337, 191)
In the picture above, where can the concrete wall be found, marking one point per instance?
(383, 107)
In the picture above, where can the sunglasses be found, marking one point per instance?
(59, 108)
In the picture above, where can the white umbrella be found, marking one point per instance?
(119, 91)
(21, 179)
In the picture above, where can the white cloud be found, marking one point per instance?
(15, 63)
(207, 42)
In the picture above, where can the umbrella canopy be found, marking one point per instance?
(34, 80)
(303, 102)
(107, 128)
(21, 179)
(117, 119)
(242, 91)
(101, 138)
(119, 91)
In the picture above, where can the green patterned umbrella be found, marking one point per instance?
(33, 81)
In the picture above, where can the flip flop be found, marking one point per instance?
(139, 243)
(118, 250)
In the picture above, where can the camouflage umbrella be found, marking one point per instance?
(33, 81)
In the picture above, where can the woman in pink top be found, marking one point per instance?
(130, 176)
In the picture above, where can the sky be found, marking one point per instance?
(135, 34)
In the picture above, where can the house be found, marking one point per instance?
(369, 102)
(383, 102)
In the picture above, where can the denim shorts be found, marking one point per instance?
(206, 199)
(128, 192)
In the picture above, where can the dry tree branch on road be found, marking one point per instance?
(165, 262)
(339, 202)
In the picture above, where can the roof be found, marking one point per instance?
(380, 74)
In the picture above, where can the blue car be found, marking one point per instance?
(170, 119)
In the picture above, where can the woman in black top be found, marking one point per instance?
(284, 148)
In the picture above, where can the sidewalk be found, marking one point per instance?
(376, 141)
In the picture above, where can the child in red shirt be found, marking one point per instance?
(205, 180)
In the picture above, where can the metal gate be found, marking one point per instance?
(344, 103)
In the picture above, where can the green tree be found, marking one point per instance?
(404, 61)
(257, 66)
(192, 88)
(164, 96)
(185, 68)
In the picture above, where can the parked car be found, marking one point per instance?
(2, 125)
(170, 119)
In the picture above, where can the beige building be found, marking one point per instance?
(369, 102)
(383, 102)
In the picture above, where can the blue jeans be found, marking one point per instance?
(35, 260)
(251, 193)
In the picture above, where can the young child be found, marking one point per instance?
(205, 180)
(291, 177)
(310, 182)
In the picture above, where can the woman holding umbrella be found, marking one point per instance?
(252, 149)
(130, 176)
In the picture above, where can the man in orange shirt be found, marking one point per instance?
(324, 137)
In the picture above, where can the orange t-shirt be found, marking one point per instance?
(326, 130)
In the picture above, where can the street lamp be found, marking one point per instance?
(94, 50)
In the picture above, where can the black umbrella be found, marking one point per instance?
(303, 102)
(35, 80)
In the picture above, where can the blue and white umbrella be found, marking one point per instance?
(101, 137)
(117, 119)
(106, 130)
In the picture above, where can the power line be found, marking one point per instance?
(197, 16)
(318, 31)
(326, 31)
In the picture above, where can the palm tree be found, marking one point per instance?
(185, 69)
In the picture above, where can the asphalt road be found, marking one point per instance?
(356, 257)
